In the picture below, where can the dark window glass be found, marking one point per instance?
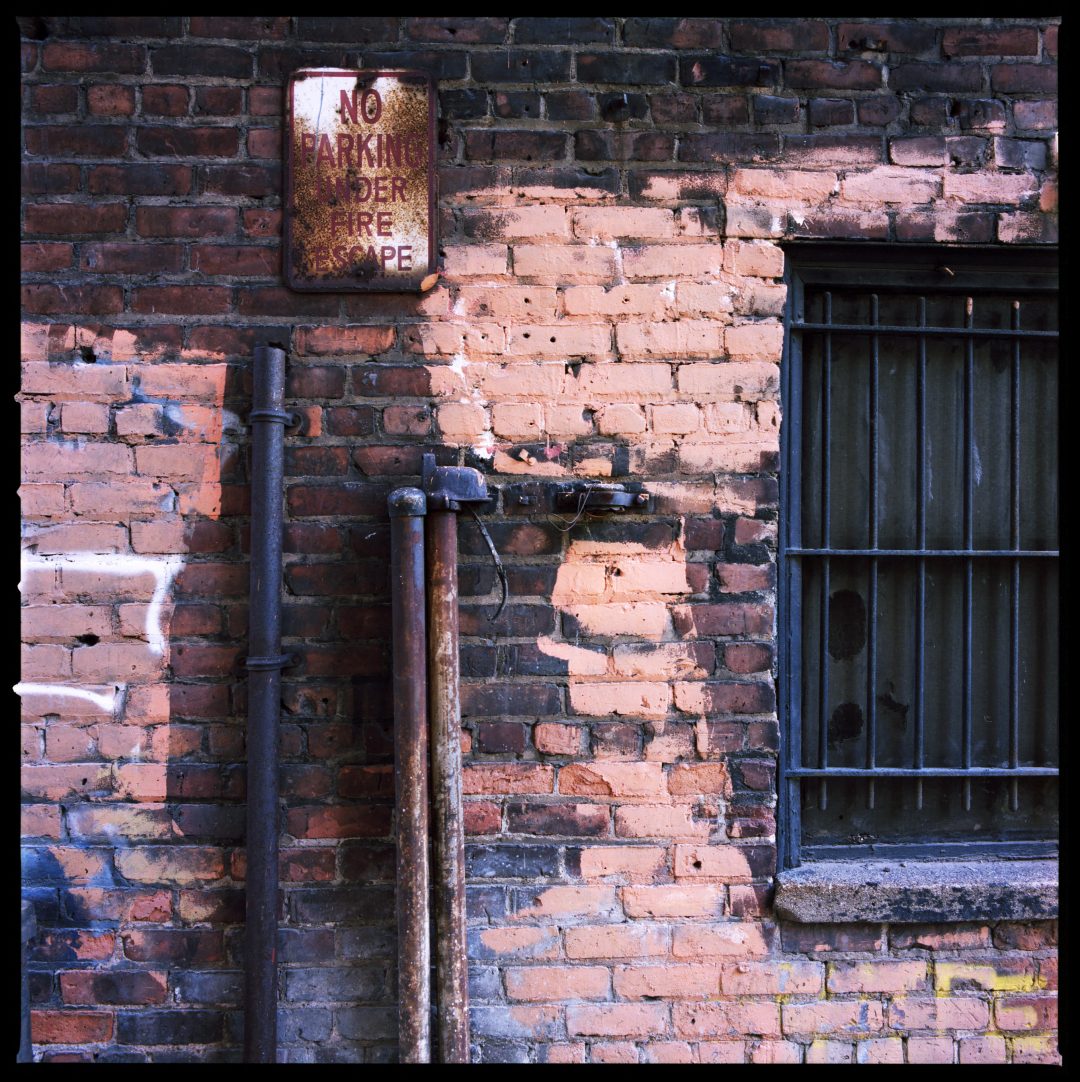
(919, 677)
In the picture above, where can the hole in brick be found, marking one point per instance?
(88, 355)
(88, 639)
(551, 339)
(697, 863)
(525, 335)
(85, 780)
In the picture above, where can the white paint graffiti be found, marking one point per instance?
(163, 568)
(103, 700)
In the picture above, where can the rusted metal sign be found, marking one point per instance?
(360, 181)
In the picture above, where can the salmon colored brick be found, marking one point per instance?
(677, 340)
(604, 223)
(572, 903)
(888, 184)
(40, 821)
(659, 821)
(667, 982)
(692, 261)
(728, 863)
(774, 978)
(450, 339)
(754, 258)
(631, 699)
(735, 939)
(1007, 975)
(621, 420)
(673, 901)
(568, 420)
(681, 660)
(519, 223)
(669, 1052)
(633, 383)
(614, 1052)
(957, 1012)
(833, 1016)
(516, 419)
(930, 1050)
(530, 304)
(647, 620)
(538, 943)
(988, 187)
(476, 260)
(564, 1053)
(639, 863)
(629, 301)
(538, 379)
(573, 263)
(729, 1018)
(676, 419)
(721, 1052)
(558, 983)
(554, 738)
(750, 380)
(617, 1020)
(622, 781)
(876, 976)
(699, 779)
(638, 576)
(754, 341)
(617, 941)
(982, 1050)
(781, 185)
(559, 339)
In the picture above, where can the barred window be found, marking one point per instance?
(918, 554)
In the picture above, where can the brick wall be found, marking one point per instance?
(612, 197)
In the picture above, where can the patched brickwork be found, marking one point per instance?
(613, 194)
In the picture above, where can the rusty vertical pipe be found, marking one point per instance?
(407, 507)
(268, 420)
(452, 980)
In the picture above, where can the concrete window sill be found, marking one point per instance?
(897, 891)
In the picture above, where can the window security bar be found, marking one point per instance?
(817, 559)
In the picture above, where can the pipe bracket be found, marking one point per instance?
(282, 417)
(449, 488)
(281, 661)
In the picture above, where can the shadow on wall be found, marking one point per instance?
(135, 753)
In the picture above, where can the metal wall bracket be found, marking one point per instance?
(600, 497)
(448, 488)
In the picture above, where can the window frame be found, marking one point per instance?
(1021, 269)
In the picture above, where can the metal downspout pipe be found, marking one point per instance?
(452, 973)
(446, 491)
(407, 508)
(268, 420)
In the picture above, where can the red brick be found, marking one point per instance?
(194, 222)
(983, 41)
(235, 260)
(68, 218)
(42, 256)
(119, 987)
(77, 141)
(104, 57)
(163, 100)
(53, 99)
(123, 257)
(110, 99)
(56, 300)
(182, 300)
(70, 1027)
(187, 142)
